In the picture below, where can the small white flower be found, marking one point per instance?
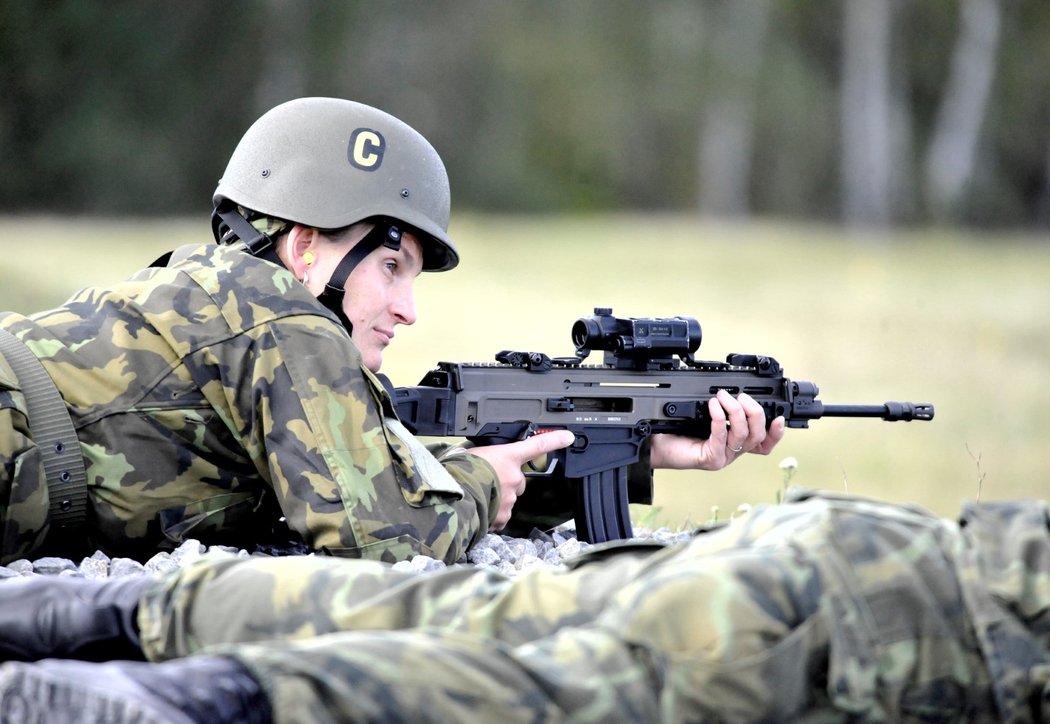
(788, 464)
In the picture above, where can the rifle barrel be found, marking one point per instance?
(891, 411)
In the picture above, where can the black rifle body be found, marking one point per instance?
(613, 409)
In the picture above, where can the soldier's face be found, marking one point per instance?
(379, 297)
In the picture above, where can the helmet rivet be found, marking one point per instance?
(404, 193)
(265, 172)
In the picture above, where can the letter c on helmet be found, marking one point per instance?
(366, 149)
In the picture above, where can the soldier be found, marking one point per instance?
(233, 385)
(823, 608)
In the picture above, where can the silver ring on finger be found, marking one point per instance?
(737, 449)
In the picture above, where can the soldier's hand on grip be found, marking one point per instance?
(507, 460)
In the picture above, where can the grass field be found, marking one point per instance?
(954, 318)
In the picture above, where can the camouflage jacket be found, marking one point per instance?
(215, 396)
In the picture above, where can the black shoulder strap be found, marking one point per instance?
(173, 257)
(162, 260)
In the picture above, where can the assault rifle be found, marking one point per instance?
(649, 383)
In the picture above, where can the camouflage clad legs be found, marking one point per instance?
(794, 611)
(229, 600)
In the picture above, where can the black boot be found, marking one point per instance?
(205, 689)
(75, 618)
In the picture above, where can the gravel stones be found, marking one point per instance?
(509, 556)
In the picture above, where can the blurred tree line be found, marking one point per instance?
(866, 111)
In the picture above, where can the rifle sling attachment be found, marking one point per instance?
(52, 430)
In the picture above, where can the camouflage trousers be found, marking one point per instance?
(820, 609)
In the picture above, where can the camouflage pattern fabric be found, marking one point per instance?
(213, 397)
(820, 609)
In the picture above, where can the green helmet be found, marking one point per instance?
(329, 163)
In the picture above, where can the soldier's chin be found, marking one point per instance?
(373, 360)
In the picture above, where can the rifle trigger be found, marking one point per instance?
(532, 468)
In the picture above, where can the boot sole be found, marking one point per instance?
(32, 695)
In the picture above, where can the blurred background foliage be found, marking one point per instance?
(883, 112)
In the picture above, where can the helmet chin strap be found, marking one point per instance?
(382, 234)
(259, 244)
(256, 242)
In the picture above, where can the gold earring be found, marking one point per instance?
(308, 257)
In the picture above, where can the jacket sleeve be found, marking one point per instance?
(315, 423)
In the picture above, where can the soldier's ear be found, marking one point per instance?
(300, 249)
